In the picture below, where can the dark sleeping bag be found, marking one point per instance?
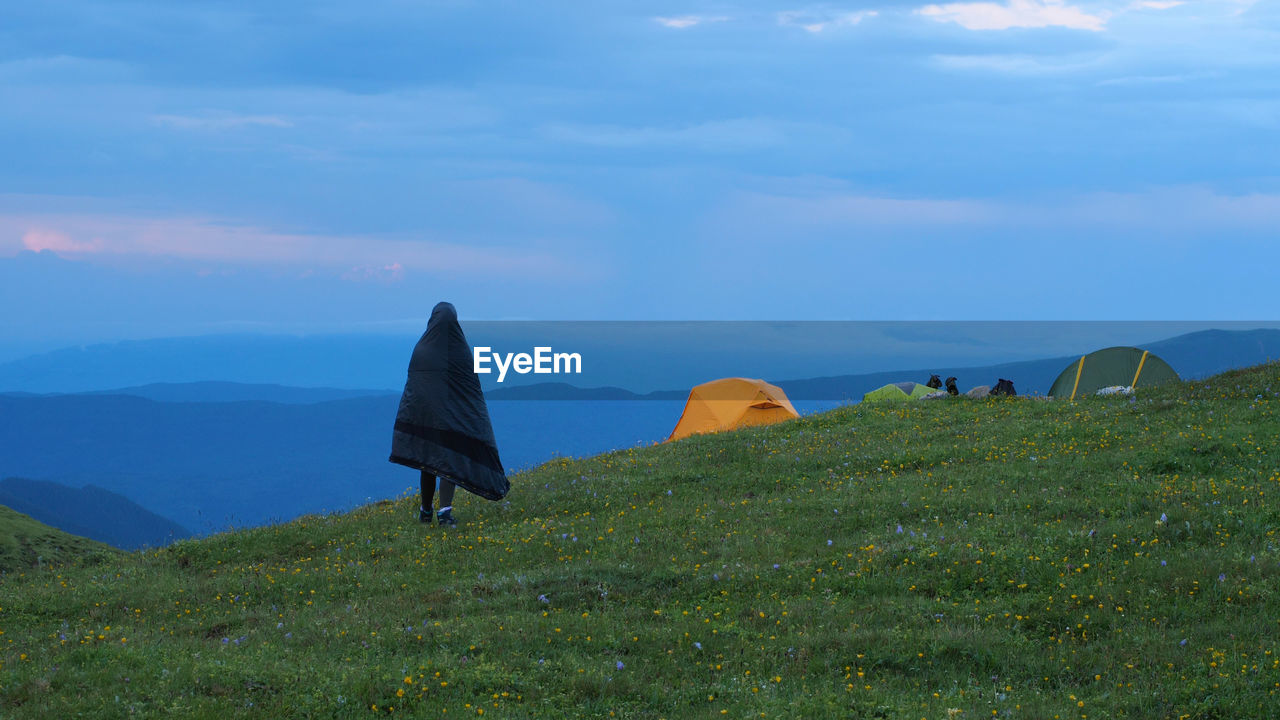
(443, 425)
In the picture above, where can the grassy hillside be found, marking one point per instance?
(26, 543)
(1000, 558)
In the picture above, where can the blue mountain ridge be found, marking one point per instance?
(91, 512)
(1194, 355)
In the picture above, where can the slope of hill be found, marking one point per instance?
(1114, 557)
(1208, 352)
(91, 512)
(27, 544)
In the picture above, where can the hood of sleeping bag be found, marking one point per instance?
(443, 425)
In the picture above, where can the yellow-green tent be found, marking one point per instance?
(897, 391)
(1123, 366)
(730, 403)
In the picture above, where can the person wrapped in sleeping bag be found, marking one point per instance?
(442, 428)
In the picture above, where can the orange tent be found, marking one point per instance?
(731, 403)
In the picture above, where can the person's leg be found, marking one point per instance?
(427, 483)
(446, 502)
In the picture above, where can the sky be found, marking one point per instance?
(174, 169)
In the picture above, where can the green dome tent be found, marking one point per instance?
(1123, 366)
(897, 391)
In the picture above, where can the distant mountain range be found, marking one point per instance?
(640, 357)
(219, 392)
(1194, 355)
(91, 512)
(302, 361)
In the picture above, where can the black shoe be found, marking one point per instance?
(424, 516)
(445, 517)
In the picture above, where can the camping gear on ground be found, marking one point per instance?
(731, 403)
(934, 382)
(442, 426)
(951, 386)
(1004, 387)
(979, 392)
(897, 392)
(1123, 366)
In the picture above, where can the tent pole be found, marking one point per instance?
(1140, 363)
(1079, 369)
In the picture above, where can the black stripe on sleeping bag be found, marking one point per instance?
(477, 451)
(485, 492)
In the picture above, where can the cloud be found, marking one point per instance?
(40, 239)
(357, 258)
(818, 20)
(1163, 212)
(225, 121)
(1157, 4)
(683, 22)
(1242, 6)
(1015, 14)
(832, 210)
(1014, 64)
(1171, 210)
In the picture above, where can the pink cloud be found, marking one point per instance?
(40, 239)
(363, 258)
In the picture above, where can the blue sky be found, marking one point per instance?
(210, 166)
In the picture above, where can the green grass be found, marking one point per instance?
(998, 558)
(26, 543)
